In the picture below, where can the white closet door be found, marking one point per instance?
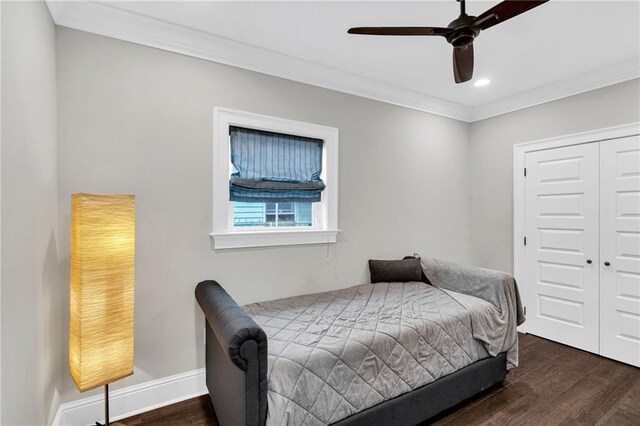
(620, 249)
(561, 266)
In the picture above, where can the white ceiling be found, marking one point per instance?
(554, 50)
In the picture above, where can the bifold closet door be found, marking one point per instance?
(620, 249)
(561, 260)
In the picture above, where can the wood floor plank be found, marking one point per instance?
(534, 391)
(616, 417)
(630, 402)
(196, 411)
(567, 403)
(621, 380)
(451, 414)
(525, 340)
(530, 359)
(554, 385)
(626, 410)
(485, 410)
(552, 349)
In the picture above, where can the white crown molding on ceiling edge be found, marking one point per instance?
(57, 8)
(591, 80)
(110, 21)
(133, 400)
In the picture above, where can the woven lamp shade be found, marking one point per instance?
(102, 280)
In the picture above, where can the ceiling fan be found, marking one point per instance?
(461, 32)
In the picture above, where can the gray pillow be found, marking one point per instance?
(424, 278)
(389, 271)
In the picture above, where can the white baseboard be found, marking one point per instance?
(133, 400)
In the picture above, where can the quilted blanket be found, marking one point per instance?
(333, 354)
(494, 324)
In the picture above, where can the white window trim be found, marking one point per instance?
(224, 235)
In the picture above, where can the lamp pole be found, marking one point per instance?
(106, 404)
(106, 407)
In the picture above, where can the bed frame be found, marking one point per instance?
(236, 372)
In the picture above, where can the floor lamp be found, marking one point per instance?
(101, 282)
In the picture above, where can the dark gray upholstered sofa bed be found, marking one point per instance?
(239, 359)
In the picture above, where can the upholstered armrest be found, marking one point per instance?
(234, 339)
(229, 322)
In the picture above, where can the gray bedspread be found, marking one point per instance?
(494, 324)
(336, 353)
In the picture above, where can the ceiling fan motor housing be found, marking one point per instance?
(464, 31)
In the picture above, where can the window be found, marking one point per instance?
(275, 181)
(263, 215)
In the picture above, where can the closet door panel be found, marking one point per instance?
(561, 260)
(620, 247)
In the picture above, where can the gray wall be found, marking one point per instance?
(132, 119)
(138, 120)
(32, 338)
(492, 143)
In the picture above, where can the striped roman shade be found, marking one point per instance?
(272, 167)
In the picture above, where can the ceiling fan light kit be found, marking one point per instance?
(461, 32)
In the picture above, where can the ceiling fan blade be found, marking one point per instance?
(504, 11)
(463, 63)
(400, 31)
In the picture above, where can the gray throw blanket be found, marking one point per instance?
(333, 354)
(494, 325)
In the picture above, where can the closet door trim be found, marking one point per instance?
(519, 185)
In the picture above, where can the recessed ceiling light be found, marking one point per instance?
(482, 82)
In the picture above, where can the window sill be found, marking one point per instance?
(242, 239)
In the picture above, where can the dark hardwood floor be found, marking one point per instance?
(196, 411)
(554, 385)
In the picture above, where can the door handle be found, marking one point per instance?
(589, 261)
(607, 264)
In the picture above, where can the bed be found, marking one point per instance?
(388, 353)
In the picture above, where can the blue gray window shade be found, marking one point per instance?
(273, 167)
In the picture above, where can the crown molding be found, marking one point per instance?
(585, 82)
(57, 9)
(110, 21)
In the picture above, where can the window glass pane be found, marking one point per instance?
(263, 215)
(285, 207)
(289, 218)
